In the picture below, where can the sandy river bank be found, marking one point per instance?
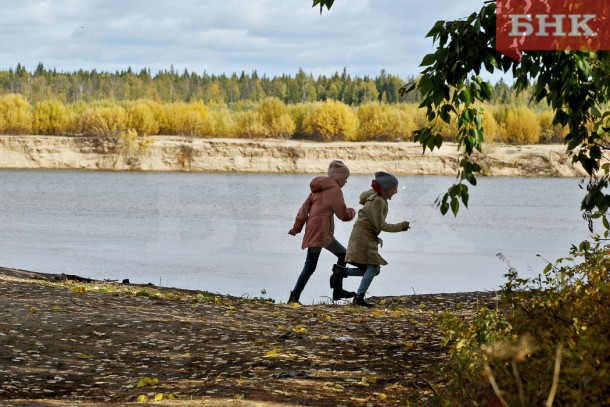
(171, 153)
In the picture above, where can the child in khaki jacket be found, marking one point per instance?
(364, 241)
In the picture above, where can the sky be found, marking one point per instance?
(271, 37)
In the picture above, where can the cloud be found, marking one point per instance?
(223, 36)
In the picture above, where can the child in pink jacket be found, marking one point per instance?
(317, 215)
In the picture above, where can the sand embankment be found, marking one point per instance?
(169, 153)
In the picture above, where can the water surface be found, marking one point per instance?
(227, 233)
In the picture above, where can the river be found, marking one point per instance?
(227, 233)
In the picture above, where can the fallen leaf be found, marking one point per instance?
(273, 353)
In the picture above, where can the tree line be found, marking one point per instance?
(171, 86)
(246, 106)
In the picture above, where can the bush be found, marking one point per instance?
(490, 126)
(184, 119)
(519, 125)
(550, 133)
(219, 123)
(102, 121)
(330, 121)
(405, 120)
(298, 113)
(248, 124)
(142, 116)
(275, 118)
(15, 114)
(383, 122)
(559, 317)
(51, 117)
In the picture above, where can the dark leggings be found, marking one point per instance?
(311, 262)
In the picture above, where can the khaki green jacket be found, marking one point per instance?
(364, 242)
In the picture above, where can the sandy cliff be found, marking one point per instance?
(168, 153)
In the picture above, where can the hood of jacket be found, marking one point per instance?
(368, 196)
(321, 183)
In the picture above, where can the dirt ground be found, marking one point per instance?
(65, 342)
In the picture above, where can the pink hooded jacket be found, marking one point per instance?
(324, 201)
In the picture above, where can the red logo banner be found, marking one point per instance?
(552, 25)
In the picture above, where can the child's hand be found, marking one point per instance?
(405, 226)
(292, 232)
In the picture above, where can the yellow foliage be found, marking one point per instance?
(273, 353)
(275, 118)
(406, 117)
(331, 120)
(102, 121)
(51, 117)
(521, 126)
(184, 119)
(147, 381)
(248, 124)
(15, 114)
(383, 122)
(142, 116)
(219, 123)
(298, 113)
(490, 126)
(550, 133)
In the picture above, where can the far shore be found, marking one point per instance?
(190, 154)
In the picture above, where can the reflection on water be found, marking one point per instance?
(227, 233)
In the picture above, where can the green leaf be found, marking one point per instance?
(455, 206)
(428, 60)
(438, 26)
(465, 197)
(465, 97)
(487, 90)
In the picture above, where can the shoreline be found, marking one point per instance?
(65, 342)
(189, 154)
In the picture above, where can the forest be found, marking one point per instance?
(339, 107)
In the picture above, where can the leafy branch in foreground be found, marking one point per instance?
(575, 84)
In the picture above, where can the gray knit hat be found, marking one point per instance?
(385, 180)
